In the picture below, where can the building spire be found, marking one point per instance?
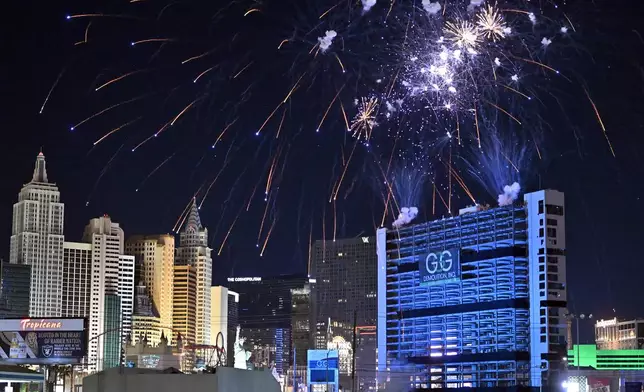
(40, 172)
(193, 217)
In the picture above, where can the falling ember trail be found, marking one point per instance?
(203, 73)
(242, 70)
(60, 75)
(601, 122)
(250, 11)
(180, 219)
(329, 108)
(224, 131)
(119, 16)
(327, 11)
(344, 172)
(116, 129)
(268, 236)
(152, 40)
(478, 133)
(335, 215)
(106, 110)
(154, 171)
(228, 233)
(503, 110)
(119, 78)
(185, 110)
(105, 169)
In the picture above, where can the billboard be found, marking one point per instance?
(42, 341)
(438, 267)
(322, 367)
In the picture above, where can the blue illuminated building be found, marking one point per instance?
(476, 300)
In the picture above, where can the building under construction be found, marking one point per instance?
(476, 300)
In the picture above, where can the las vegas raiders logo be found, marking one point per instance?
(47, 351)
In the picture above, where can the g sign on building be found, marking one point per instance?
(438, 267)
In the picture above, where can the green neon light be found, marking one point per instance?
(589, 356)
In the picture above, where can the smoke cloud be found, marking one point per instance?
(407, 214)
(367, 4)
(509, 195)
(474, 3)
(326, 41)
(431, 8)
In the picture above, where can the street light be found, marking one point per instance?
(578, 317)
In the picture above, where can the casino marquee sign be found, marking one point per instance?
(439, 267)
(42, 341)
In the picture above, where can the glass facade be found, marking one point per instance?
(112, 334)
(14, 290)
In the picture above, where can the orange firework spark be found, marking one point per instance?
(335, 216)
(261, 226)
(203, 73)
(85, 40)
(344, 115)
(281, 122)
(515, 91)
(119, 78)
(282, 43)
(204, 54)
(340, 62)
(60, 75)
(329, 108)
(242, 70)
(152, 40)
(344, 172)
(185, 110)
(503, 110)
(327, 11)
(119, 16)
(268, 119)
(267, 237)
(115, 130)
(601, 122)
(230, 229)
(107, 109)
(250, 11)
(224, 131)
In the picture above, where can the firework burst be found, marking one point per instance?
(364, 122)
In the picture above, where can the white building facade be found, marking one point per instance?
(112, 275)
(193, 250)
(37, 239)
(77, 264)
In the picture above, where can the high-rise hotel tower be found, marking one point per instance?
(193, 252)
(476, 300)
(37, 239)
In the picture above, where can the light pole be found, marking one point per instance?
(578, 317)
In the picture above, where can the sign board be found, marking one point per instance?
(439, 267)
(322, 367)
(245, 279)
(42, 341)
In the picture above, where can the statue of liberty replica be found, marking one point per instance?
(241, 356)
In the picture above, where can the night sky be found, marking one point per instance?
(603, 193)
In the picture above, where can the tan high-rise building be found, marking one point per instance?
(145, 319)
(185, 303)
(193, 251)
(155, 266)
